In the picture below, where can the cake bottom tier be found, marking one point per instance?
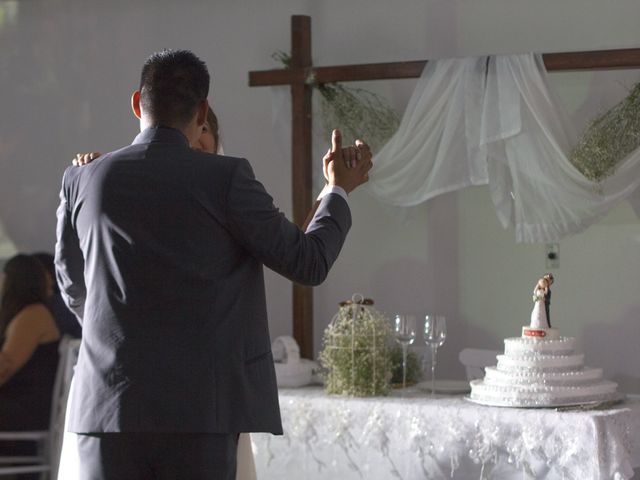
(538, 395)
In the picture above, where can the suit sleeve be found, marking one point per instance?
(69, 260)
(304, 257)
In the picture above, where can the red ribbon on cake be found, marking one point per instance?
(534, 332)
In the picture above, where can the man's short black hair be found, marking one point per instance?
(172, 84)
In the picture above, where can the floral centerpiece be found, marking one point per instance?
(356, 358)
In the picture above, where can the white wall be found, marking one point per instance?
(67, 68)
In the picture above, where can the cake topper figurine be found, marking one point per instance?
(541, 299)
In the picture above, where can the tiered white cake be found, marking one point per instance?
(541, 369)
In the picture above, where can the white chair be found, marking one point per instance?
(475, 360)
(49, 442)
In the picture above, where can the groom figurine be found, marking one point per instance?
(547, 296)
(160, 253)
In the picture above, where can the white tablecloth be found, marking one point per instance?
(416, 437)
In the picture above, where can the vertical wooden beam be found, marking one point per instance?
(301, 162)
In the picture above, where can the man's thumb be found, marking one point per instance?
(336, 141)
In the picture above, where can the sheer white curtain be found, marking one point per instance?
(494, 120)
(436, 148)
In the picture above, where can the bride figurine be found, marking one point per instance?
(541, 299)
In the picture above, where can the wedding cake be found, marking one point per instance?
(540, 368)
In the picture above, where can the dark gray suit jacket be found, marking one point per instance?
(160, 254)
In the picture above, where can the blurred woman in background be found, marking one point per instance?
(29, 338)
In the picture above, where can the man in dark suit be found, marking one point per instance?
(160, 254)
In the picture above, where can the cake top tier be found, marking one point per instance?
(539, 345)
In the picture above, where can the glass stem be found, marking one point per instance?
(434, 351)
(404, 365)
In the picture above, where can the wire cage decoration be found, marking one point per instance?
(356, 358)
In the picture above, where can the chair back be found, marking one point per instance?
(48, 442)
(475, 360)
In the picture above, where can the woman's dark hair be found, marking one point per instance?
(25, 283)
(47, 261)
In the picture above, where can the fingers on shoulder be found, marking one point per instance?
(84, 158)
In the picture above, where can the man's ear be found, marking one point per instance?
(135, 104)
(203, 110)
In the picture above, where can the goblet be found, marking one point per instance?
(404, 329)
(435, 333)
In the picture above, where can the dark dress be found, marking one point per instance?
(25, 400)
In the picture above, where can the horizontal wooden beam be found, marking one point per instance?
(565, 61)
(287, 76)
(345, 73)
(593, 60)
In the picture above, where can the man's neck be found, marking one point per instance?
(189, 131)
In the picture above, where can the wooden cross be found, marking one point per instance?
(301, 75)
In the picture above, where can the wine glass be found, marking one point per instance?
(435, 333)
(404, 329)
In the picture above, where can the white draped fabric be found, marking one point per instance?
(494, 120)
(417, 437)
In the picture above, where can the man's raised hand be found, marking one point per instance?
(347, 167)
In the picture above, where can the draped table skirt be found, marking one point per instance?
(413, 436)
